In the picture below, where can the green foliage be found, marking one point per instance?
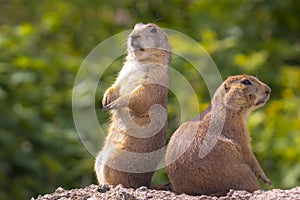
(43, 43)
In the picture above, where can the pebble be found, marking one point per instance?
(105, 191)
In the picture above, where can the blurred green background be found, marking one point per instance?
(43, 43)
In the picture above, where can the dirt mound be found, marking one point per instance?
(95, 192)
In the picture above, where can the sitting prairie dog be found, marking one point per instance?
(213, 154)
(137, 102)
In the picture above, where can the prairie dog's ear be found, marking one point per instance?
(226, 86)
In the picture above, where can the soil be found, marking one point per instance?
(104, 191)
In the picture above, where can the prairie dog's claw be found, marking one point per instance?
(265, 179)
(110, 95)
(118, 103)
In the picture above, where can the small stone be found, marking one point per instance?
(142, 188)
(119, 187)
(93, 198)
(258, 192)
(124, 196)
(230, 193)
(59, 190)
(103, 188)
(225, 198)
(149, 195)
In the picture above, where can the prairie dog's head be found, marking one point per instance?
(244, 93)
(147, 40)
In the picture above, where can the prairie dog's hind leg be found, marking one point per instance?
(99, 169)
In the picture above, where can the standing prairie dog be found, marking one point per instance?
(214, 163)
(137, 102)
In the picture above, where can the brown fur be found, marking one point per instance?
(135, 129)
(231, 163)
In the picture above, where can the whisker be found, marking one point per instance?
(257, 74)
(158, 17)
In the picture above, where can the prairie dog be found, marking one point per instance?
(230, 162)
(137, 102)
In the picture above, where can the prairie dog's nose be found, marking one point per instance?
(268, 90)
(133, 39)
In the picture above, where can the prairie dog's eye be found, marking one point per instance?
(246, 82)
(153, 30)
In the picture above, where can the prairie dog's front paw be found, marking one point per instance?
(265, 179)
(122, 101)
(110, 95)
